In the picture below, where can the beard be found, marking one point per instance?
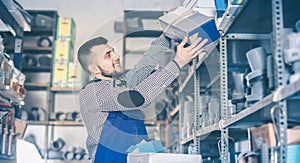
(116, 74)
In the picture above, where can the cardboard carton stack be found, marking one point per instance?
(66, 71)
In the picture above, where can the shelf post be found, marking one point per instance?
(18, 50)
(280, 75)
(224, 98)
(197, 147)
(181, 117)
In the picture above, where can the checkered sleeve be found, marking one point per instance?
(122, 98)
(157, 82)
(151, 59)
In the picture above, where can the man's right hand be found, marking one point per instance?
(186, 54)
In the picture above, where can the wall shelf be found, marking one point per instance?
(243, 27)
(64, 89)
(65, 123)
(54, 123)
(36, 69)
(145, 33)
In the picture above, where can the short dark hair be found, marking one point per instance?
(84, 51)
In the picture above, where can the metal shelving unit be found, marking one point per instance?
(13, 22)
(225, 22)
(238, 25)
(133, 27)
(280, 80)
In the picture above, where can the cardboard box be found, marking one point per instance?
(76, 76)
(182, 23)
(263, 134)
(60, 75)
(66, 29)
(266, 134)
(163, 157)
(63, 52)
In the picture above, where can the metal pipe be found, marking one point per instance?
(69, 155)
(10, 141)
(58, 144)
(4, 139)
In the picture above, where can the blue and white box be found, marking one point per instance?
(183, 22)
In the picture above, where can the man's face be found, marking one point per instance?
(108, 60)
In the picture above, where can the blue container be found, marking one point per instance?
(221, 6)
(236, 2)
(293, 153)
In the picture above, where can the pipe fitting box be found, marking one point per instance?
(60, 75)
(66, 29)
(163, 157)
(183, 22)
(63, 52)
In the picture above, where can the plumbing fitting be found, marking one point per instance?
(292, 55)
(256, 79)
(238, 95)
(58, 144)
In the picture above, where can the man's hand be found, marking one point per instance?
(186, 54)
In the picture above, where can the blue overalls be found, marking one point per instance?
(119, 133)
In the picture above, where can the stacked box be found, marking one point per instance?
(76, 76)
(66, 29)
(60, 72)
(182, 23)
(63, 51)
(266, 134)
(63, 54)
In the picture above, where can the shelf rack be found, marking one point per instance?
(233, 26)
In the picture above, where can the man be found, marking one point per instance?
(110, 110)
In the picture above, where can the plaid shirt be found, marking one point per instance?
(100, 97)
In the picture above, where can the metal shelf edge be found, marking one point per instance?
(65, 123)
(186, 140)
(64, 89)
(35, 122)
(207, 130)
(36, 84)
(246, 112)
(247, 36)
(286, 91)
(229, 16)
(53, 123)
